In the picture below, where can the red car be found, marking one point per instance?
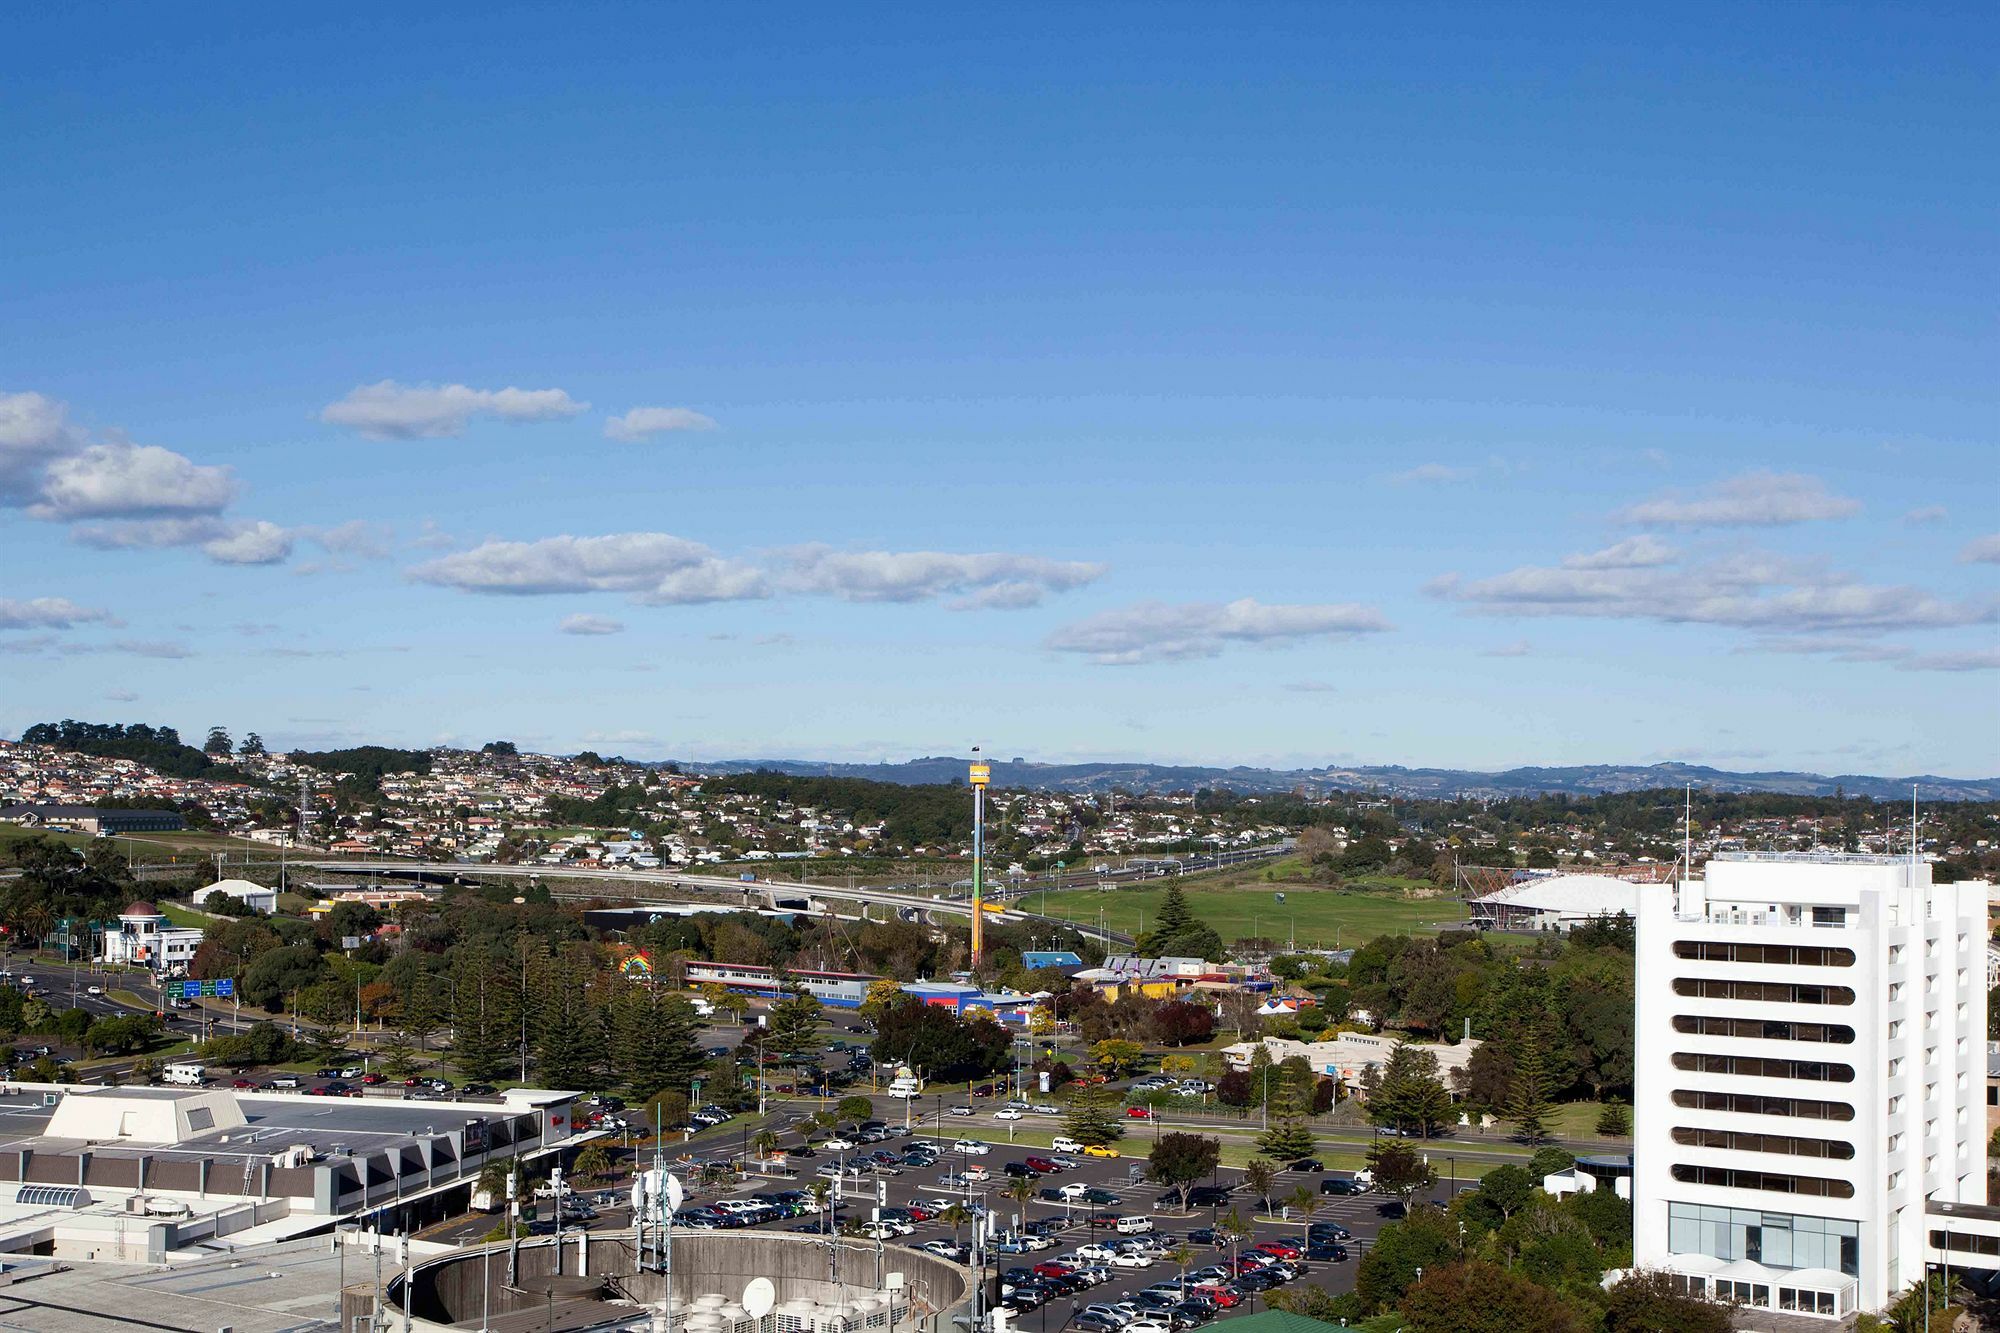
(1280, 1249)
(1223, 1296)
(373, 1080)
(1139, 1113)
(1104, 1219)
(1041, 1164)
(919, 1213)
(243, 1085)
(1051, 1268)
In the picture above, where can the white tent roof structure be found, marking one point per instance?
(1571, 897)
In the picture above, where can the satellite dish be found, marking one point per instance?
(639, 1197)
(759, 1297)
(675, 1193)
(1279, 896)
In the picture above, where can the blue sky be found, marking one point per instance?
(1451, 385)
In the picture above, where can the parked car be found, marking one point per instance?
(1308, 1164)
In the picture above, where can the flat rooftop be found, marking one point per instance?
(287, 1288)
(276, 1122)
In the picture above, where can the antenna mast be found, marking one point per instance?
(1687, 831)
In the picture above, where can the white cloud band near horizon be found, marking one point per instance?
(1171, 632)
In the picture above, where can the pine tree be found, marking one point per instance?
(1289, 1136)
(567, 1022)
(1615, 1120)
(1090, 1118)
(795, 1021)
(1410, 1095)
(483, 1018)
(653, 1041)
(1528, 1095)
(1178, 932)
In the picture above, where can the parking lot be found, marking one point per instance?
(1070, 1225)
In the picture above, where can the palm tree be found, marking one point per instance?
(1305, 1201)
(958, 1216)
(1182, 1256)
(1021, 1189)
(764, 1142)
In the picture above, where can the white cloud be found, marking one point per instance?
(391, 411)
(1430, 474)
(713, 580)
(644, 422)
(591, 625)
(225, 541)
(48, 613)
(259, 543)
(358, 537)
(50, 645)
(1837, 649)
(1982, 550)
(120, 696)
(130, 481)
(150, 534)
(33, 430)
(1163, 632)
(1313, 687)
(1756, 499)
(1977, 659)
(992, 580)
(1518, 648)
(1925, 514)
(656, 567)
(1640, 552)
(1752, 590)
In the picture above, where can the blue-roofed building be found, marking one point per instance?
(1034, 958)
(961, 998)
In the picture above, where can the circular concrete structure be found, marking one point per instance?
(814, 1286)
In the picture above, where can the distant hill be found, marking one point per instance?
(1580, 780)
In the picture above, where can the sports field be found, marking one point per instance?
(1311, 916)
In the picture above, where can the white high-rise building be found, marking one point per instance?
(1810, 1105)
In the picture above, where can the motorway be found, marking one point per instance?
(774, 891)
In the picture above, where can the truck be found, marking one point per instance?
(906, 1086)
(185, 1075)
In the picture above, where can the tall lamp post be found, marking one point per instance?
(979, 775)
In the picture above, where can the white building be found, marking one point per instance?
(144, 937)
(1348, 1055)
(257, 897)
(1555, 902)
(1810, 1071)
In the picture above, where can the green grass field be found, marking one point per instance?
(1312, 915)
(192, 849)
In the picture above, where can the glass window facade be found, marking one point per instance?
(1764, 1182)
(1783, 955)
(1750, 1103)
(1763, 992)
(1776, 1240)
(1756, 1066)
(1763, 1029)
(1737, 1141)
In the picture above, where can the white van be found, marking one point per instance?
(906, 1087)
(1062, 1143)
(1133, 1226)
(187, 1075)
